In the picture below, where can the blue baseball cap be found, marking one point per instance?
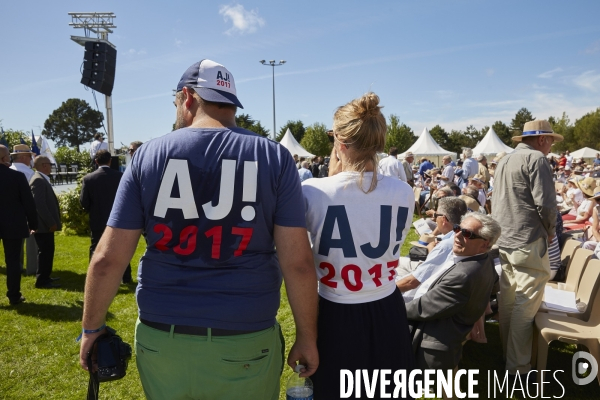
(212, 81)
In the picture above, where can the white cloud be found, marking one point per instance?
(490, 71)
(445, 94)
(541, 104)
(549, 74)
(178, 43)
(594, 48)
(243, 21)
(134, 52)
(589, 80)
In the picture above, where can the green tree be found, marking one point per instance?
(296, 127)
(399, 135)
(563, 127)
(441, 137)
(13, 137)
(503, 132)
(458, 140)
(473, 136)
(521, 117)
(68, 156)
(315, 140)
(483, 131)
(245, 121)
(75, 221)
(73, 123)
(587, 130)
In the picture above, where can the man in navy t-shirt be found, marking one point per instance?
(223, 215)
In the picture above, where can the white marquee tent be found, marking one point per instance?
(289, 142)
(491, 145)
(586, 152)
(426, 146)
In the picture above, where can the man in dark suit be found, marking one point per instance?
(98, 194)
(48, 211)
(447, 305)
(18, 217)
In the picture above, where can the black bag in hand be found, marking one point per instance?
(112, 356)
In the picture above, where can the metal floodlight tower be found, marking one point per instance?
(101, 24)
(273, 64)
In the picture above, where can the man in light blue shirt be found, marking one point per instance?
(449, 213)
(304, 172)
(470, 165)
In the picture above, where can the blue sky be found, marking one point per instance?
(452, 63)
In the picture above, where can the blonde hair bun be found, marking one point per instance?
(360, 125)
(368, 106)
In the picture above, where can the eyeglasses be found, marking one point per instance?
(467, 233)
(435, 215)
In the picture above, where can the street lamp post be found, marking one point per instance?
(273, 65)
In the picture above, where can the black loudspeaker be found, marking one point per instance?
(114, 163)
(99, 63)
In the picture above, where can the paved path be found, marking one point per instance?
(64, 187)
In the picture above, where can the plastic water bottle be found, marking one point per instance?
(299, 388)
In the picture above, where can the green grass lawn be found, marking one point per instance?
(39, 355)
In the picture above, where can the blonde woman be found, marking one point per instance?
(358, 220)
(584, 212)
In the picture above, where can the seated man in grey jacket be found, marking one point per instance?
(455, 297)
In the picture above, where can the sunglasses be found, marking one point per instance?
(467, 233)
(435, 215)
(130, 150)
(330, 135)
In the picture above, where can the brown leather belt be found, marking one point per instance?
(195, 330)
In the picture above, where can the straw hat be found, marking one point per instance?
(423, 241)
(587, 186)
(575, 179)
(478, 178)
(21, 149)
(408, 154)
(596, 195)
(538, 128)
(472, 204)
(499, 156)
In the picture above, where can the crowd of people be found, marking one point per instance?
(227, 214)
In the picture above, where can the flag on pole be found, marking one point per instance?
(34, 146)
(3, 138)
(22, 141)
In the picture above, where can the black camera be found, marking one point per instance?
(113, 357)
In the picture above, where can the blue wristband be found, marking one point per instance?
(83, 330)
(93, 330)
